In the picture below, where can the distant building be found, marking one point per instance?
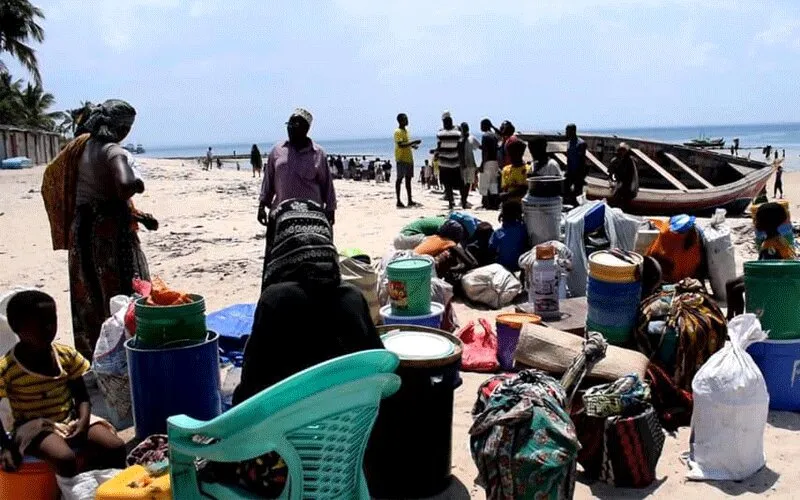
(38, 145)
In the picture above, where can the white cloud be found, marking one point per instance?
(785, 32)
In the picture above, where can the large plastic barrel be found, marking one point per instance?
(779, 362)
(431, 320)
(410, 451)
(613, 308)
(159, 325)
(542, 218)
(179, 379)
(410, 286)
(772, 291)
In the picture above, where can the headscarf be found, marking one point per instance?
(300, 246)
(107, 120)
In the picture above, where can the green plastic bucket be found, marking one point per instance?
(410, 286)
(772, 291)
(157, 326)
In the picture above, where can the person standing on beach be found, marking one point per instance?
(576, 165)
(778, 182)
(448, 149)
(209, 159)
(468, 144)
(507, 134)
(624, 176)
(255, 160)
(404, 157)
(297, 168)
(489, 169)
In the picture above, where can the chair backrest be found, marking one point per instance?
(318, 421)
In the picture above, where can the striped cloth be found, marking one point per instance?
(449, 142)
(35, 396)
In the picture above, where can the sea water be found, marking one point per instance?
(779, 136)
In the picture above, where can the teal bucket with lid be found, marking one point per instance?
(772, 292)
(410, 286)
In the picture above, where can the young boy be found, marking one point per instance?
(514, 180)
(49, 401)
(510, 241)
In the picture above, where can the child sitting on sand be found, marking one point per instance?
(49, 401)
(510, 241)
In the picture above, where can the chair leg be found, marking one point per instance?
(183, 476)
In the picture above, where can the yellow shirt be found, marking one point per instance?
(514, 177)
(33, 395)
(402, 155)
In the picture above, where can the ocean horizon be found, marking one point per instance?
(779, 135)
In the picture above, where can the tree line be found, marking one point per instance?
(26, 104)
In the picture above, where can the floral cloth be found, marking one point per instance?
(522, 440)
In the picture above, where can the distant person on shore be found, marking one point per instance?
(736, 146)
(339, 165)
(209, 159)
(404, 157)
(543, 165)
(297, 168)
(576, 165)
(387, 170)
(449, 142)
(778, 182)
(433, 180)
(489, 169)
(624, 177)
(219, 163)
(469, 144)
(87, 191)
(515, 175)
(256, 161)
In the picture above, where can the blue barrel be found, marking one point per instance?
(180, 379)
(779, 362)
(613, 308)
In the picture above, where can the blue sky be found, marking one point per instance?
(226, 71)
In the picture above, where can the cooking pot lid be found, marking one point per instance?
(417, 345)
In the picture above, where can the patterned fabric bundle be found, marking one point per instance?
(522, 440)
(58, 191)
(700, 325)
(616, 398)
(300, 246)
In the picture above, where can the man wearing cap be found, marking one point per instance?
(297, 168)
(449, 154)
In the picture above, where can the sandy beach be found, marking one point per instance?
(210, 243)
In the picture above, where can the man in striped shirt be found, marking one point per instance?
(450, 159)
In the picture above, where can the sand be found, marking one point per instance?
(210, 243)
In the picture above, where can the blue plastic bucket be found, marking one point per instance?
(779, 362)
(613, 308)
(432, 320)
(180, 379)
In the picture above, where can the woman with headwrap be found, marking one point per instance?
(306, 315)
(87, 191)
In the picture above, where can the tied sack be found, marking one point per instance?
(491, 285)
(731, 403)
(480, 347)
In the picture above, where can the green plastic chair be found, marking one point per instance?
(318, 421)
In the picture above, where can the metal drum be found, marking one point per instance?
(409, 453)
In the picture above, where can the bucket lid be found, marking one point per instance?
(411, 345)
(606, 258)
(410, 264)
(516, 320)
(681, 223)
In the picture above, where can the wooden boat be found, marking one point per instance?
(705, 142)
(673, 179)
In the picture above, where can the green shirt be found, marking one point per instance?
(426, 225)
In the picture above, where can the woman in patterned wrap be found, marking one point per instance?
(87, 191)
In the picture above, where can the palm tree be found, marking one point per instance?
(36, 102)
(18, 24)
(11, 109)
